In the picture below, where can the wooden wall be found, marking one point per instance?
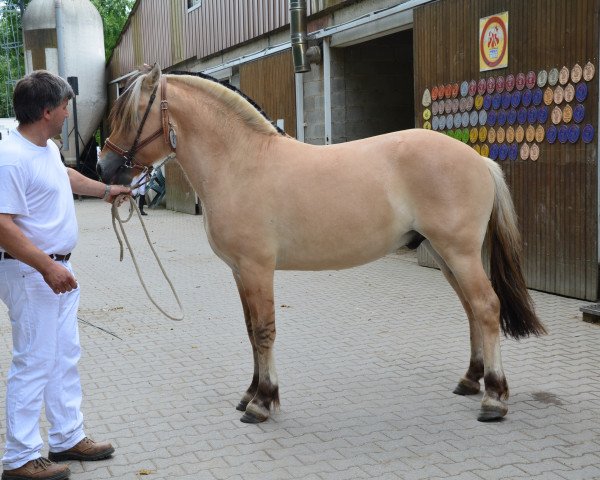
(165, 31)
(180, 196)
(556, 197)
(270, 82)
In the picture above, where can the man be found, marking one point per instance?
(38, 231)
(140, 191)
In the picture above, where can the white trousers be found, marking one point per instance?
(44, 364)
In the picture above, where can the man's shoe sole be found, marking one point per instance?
(63, 456)
(59, 476)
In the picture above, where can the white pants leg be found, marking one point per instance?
(44, 365)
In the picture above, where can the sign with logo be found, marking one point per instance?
(493, 42)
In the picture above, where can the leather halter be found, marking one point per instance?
(166, 130)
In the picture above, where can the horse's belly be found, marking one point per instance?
(335, 252)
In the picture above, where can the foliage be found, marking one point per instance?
(11, 53)
(114, 14)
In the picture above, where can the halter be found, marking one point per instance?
(166, 129)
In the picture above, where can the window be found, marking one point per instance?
(191, 4)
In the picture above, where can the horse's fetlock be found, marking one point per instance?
(496, 386)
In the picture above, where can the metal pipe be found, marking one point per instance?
(327, 90)
(298, 35)
(60, 44)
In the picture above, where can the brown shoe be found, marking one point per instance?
(85, 450)
(38, 469)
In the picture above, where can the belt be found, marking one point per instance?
(54, 256)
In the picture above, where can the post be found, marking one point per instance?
(74, 82)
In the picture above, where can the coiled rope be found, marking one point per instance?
(116, 218)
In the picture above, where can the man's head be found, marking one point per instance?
(38, 92)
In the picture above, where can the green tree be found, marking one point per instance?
(11, 52)
(114, 14)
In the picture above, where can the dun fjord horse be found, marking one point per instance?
(271, 202)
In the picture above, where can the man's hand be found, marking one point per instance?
(117, 191)
(58, 278)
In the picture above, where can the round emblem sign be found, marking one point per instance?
(576, 73)
(551, 134)
(534, 152)
(524, 151)
(500, 84)
(588, 71)
(530, 79)
(493, 43)
(563, 75)
(519, 134)
(553, 76)
(510, 134)
(520, 81)
(569, 92)
(510, 82)
(542, 78)
(500, 134)
(472, 88)
(539, 134)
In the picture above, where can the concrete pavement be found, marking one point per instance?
(367, 359)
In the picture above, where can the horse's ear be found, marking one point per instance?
(152, 76)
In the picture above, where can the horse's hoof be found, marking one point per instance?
(249, 417)
(466, 387)
(491, 413)
(241, 406)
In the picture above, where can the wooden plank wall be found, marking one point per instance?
(219, 25)
(180, 195)
(165, 31)
(154, 32)
(556, 197)
(270, 82)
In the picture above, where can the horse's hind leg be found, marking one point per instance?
(257, 288)
(469, 383)
(249, 395)
(465, 264)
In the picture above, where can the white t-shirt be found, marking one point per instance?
(34, 186)
(141, 190)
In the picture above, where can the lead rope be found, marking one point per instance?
(116, 217)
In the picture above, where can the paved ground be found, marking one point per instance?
(367, 359)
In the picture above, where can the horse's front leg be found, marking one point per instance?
(251, 391)
(257, 289)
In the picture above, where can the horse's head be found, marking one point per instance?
(141, 133)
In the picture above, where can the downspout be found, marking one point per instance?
(298, 35)
(60, 43)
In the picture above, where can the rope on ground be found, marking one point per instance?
(116, 218)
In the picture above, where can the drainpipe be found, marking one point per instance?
(60, 43)
(298, 35)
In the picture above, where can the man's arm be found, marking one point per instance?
(20, 247)
(82, 185)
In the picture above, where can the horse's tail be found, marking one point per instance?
(517, 315)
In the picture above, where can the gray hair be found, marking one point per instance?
(37, 92)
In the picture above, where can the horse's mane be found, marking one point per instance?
(124, 115)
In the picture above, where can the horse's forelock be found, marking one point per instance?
(124, 114)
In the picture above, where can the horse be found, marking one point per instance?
(272, 203)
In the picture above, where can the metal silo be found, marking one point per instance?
(66, 38)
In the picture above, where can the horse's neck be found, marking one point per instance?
(212, 153)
